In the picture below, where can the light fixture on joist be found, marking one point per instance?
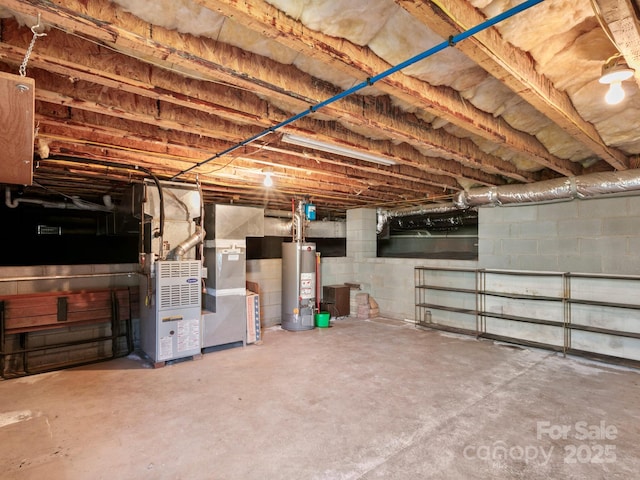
(336, 149)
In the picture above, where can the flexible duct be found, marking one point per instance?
(548, 191)
(559, 189)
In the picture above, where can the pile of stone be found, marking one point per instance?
(367, 306)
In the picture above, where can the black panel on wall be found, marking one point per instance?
(34, 235)
(271, 247)
(452, 235)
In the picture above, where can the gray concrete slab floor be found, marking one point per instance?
(360, 400)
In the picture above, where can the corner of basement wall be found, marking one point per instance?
(390, 281)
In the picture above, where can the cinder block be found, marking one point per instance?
(558, 246)
(582, 227)
(362, 235)
(605, 246)
(498, 230)
(538, 229)
(580, 263)
(361, 213)
(517, 246)
(537, 262)
(558, 211)
(271, 298)
(633, 245)
(520, 213)
(33, 271)
(362, 299)
(603, 207)
(271, 314)
(8, 288)
(490, 215)
(495, 261)
(488, 246)
(621, 265)
(621, 226)
(633, 203)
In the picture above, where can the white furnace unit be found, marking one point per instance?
(170, 314)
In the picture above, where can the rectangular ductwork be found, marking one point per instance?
(227, 228)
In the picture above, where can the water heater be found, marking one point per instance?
(298, 285)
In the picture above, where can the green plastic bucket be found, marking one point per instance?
(322, 319)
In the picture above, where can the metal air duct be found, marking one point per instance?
(559, 189)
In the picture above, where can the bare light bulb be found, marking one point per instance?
(615, 94)
(268, 181)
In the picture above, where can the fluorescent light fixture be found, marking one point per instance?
(338, 150)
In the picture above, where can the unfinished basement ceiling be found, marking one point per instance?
(166, 85)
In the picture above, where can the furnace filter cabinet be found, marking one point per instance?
(298, 285)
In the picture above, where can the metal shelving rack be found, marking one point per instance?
(506, 285)
(424, 306)
(591, 315)
(606, 295)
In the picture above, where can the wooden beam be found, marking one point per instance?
(236, 183)
(214, 61)
(621, 17)
(514, 68)
(361, 63)
(84, 96)
(172, 156)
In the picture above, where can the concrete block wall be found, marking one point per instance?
(590, 236)
(361, 233)
(390, 281)
(268, 275)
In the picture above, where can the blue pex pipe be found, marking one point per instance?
(371, 80)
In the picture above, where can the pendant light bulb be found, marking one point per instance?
(615, 94)
(268, 181)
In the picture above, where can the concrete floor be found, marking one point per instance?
(359, 400)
